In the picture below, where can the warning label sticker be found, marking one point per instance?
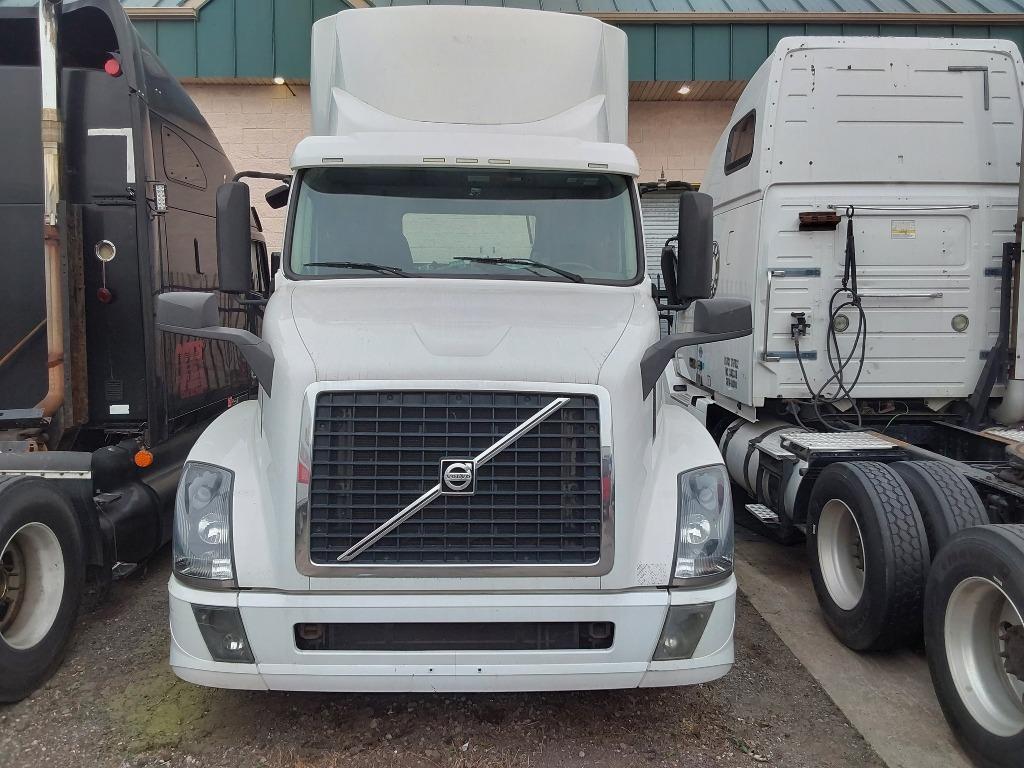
(903, 229)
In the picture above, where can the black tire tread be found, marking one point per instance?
(965, 507)
(910, 551)
(985, 550)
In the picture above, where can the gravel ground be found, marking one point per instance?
(115, 702)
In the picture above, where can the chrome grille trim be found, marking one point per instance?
(368, 541)
(306, 566)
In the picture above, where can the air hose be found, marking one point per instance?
(847, 296)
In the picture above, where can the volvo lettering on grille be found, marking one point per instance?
(458, 477)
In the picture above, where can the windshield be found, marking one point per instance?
(453, 222)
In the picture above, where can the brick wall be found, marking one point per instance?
(258, 125)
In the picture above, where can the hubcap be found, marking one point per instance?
(841, 554)
(981, 630)
(31, 585)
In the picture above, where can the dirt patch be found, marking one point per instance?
(115, 702)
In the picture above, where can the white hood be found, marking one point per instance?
(438, 329)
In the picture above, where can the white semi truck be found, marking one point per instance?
(462, 471)
(866, 197)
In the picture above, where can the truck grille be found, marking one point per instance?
(537, 502)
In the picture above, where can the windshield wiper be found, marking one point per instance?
(523, 262)
(382, 268)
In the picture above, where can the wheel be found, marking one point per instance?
(41, 576)
(869, 555)
(974, 637)
(947, 501)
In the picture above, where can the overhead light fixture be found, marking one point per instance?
(278, 80)
(684, 90)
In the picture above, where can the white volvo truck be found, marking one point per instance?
(866, 194)
(462, 472)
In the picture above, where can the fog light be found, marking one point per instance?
(223, 633)
(960, 323)
(684, 627)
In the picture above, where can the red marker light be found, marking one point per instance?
(112, 67)
(104, 295)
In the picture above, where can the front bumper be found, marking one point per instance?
(269, 618)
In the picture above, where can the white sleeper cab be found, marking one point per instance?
(866, 198)
(461, 471)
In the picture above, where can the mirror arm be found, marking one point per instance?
(256, 351)
(660, 353)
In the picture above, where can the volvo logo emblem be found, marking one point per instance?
(458, 477)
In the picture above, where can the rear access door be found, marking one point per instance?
(921, 145)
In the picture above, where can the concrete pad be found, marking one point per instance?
(887, 697)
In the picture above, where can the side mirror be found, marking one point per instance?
(694, 265)
(713, 320)
(192, 313)
(234, 260)
(278, 196)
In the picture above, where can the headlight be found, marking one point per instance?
(704, 549)
(202, 525)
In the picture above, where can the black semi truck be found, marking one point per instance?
(107, 198)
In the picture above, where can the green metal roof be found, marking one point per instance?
(669, 40)
(742, 6)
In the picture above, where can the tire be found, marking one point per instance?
(41, 578)
(869, 555)
(947, 501)
(976, 583)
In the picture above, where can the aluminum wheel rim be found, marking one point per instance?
(32, 585)
(976, 609)
(841, 554)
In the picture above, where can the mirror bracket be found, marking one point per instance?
(194, 313)
(714, 320)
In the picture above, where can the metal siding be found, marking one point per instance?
(254, 39)
(147, 31)
(215, 39)
(778, 31)
(176, 47)
(711, 54)
(971, 31)
(322, 8)
(934, 31)
(860, 30)
(673, 52)
(1014, 34)
(292, 22)
(641, 50)
(264, 38)
(897, 30)
(749, 49)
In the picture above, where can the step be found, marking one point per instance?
(763, 513)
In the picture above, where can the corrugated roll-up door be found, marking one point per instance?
(660, 210)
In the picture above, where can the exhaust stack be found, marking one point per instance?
(52, 136)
